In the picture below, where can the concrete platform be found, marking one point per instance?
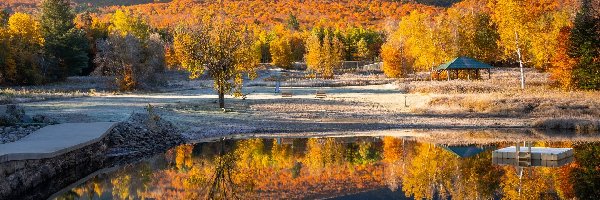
(54, 140)
(537, 153)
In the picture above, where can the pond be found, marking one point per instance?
(342, 168)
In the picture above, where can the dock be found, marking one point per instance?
(533, 156)
(537, 153)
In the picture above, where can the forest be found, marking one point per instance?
(135, 43)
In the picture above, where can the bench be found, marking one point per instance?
(286, 94)
(320, 94)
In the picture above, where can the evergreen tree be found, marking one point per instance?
(585, 47)
(292, 22)
(3, 17)
(65, 45)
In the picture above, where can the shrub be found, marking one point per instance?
(137, 64)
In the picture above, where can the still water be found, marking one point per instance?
(343, 168)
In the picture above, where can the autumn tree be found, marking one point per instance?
(323, 52)
(137, 64)
(562, 63)
(423, 40)
(223, 48)
(585, 47)
(396, 63)
(281, 52)
(21, 42)
(510, 15)
(65, 45)
(131, 53)
(5, 72)
(298, 46)
(528, 30)
(362, 50)
(95, 29)
(263, 45)
(125, 22)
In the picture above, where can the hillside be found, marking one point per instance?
(339, 13)
(265, 12)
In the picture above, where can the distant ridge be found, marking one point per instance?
(30, 5)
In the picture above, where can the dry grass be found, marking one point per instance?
(501, 96)
(300, 79)
(579, 125)
(503, 80)
(11, 96)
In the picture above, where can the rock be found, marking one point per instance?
(43, 119)
(143, 134)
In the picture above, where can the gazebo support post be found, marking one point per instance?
(448, 74)
(468, 74)
(457, 74)
(489, 73)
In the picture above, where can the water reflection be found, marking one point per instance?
(336, 167)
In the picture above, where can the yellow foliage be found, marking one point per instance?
(395, 62)
(281, 52)
(126, 22)
(324, 55)
(222, 47)
(21, 25)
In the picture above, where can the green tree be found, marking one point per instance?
(585, 47)
(3, 17)
(292, 22)
(65, 45)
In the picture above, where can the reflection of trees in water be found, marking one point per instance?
(424, 170)
(307, 168)
(222, 185)
(586, 174)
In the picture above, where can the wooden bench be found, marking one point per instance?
(321, 94)
(286, 94)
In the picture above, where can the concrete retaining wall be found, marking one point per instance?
(37, 179)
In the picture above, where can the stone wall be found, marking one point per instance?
(38, 179)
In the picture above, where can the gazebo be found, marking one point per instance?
(464, 63)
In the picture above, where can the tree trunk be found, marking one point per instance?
(221, 99)
(520, 60)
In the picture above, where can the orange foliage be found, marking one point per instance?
(562, 64)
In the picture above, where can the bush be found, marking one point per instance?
(137, 64)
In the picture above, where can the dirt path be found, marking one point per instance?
(346, 109)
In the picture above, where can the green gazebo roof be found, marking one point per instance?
(464, 63)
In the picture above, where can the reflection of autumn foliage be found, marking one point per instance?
(120, 188)
(430, 172)
(326, 167)
(476, 177)
(183, 156)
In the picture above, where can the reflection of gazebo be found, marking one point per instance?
(463, 151)
(464, 63)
